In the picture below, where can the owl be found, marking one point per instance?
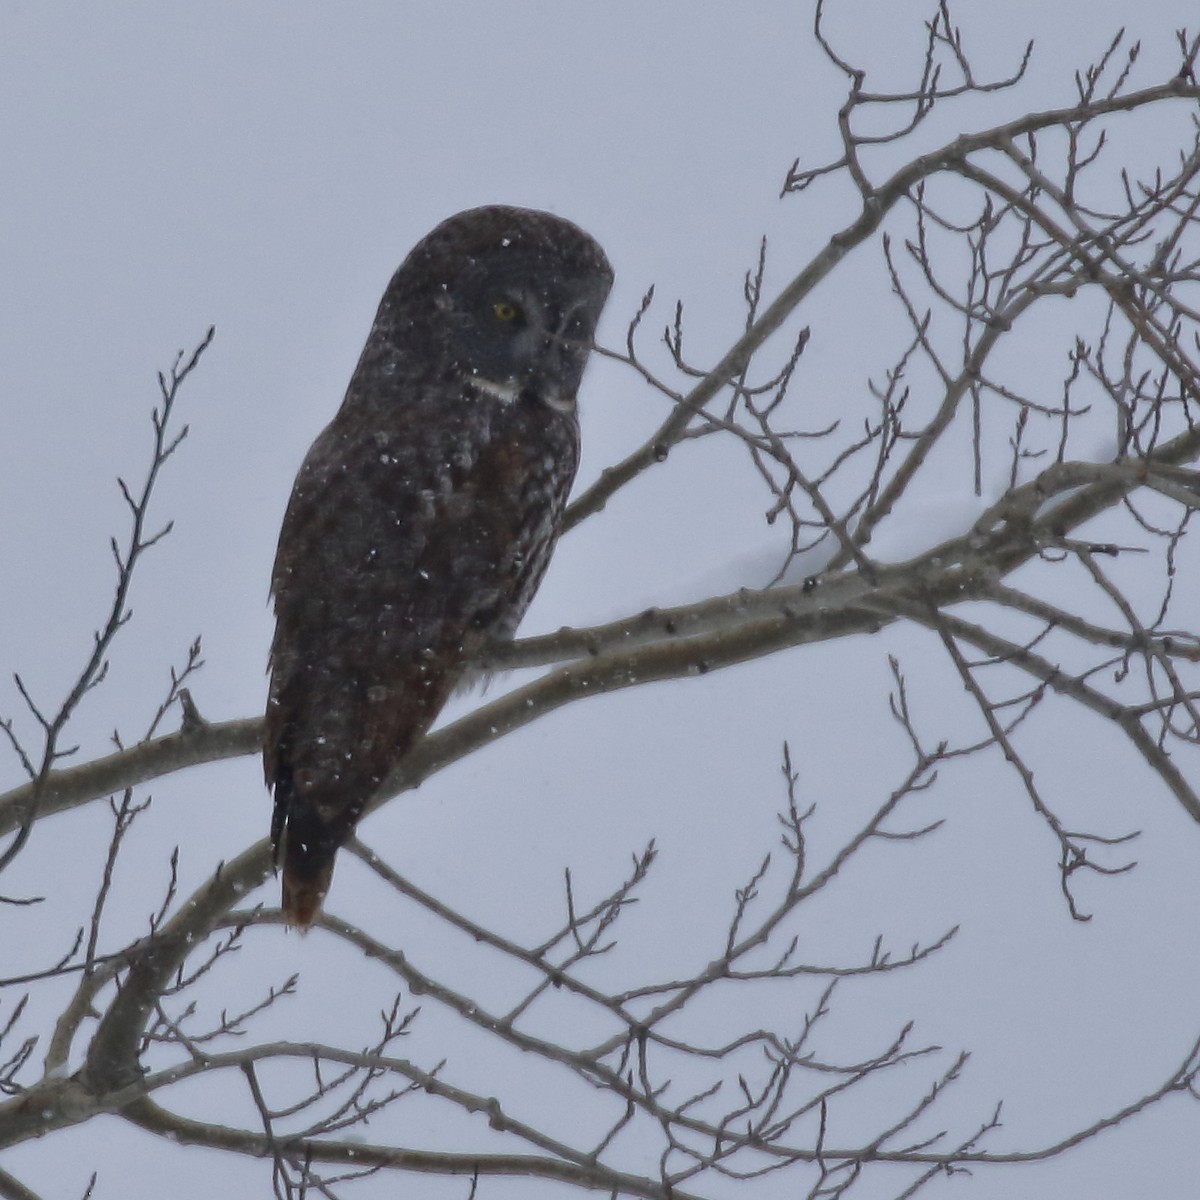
(424, 516)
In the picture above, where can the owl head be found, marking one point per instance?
(508, 299)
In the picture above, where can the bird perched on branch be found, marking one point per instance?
(424, 516)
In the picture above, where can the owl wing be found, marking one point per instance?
(395, 565)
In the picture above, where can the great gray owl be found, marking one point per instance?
(424, 515)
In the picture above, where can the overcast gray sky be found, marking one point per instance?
(263, 167)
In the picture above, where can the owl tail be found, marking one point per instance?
(304, 890)
(306, 852)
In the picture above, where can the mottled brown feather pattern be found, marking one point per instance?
(424, 516)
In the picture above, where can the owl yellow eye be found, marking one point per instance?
(505, 311)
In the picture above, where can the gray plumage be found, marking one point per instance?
(424, 516)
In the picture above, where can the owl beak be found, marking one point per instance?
(556, 378)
